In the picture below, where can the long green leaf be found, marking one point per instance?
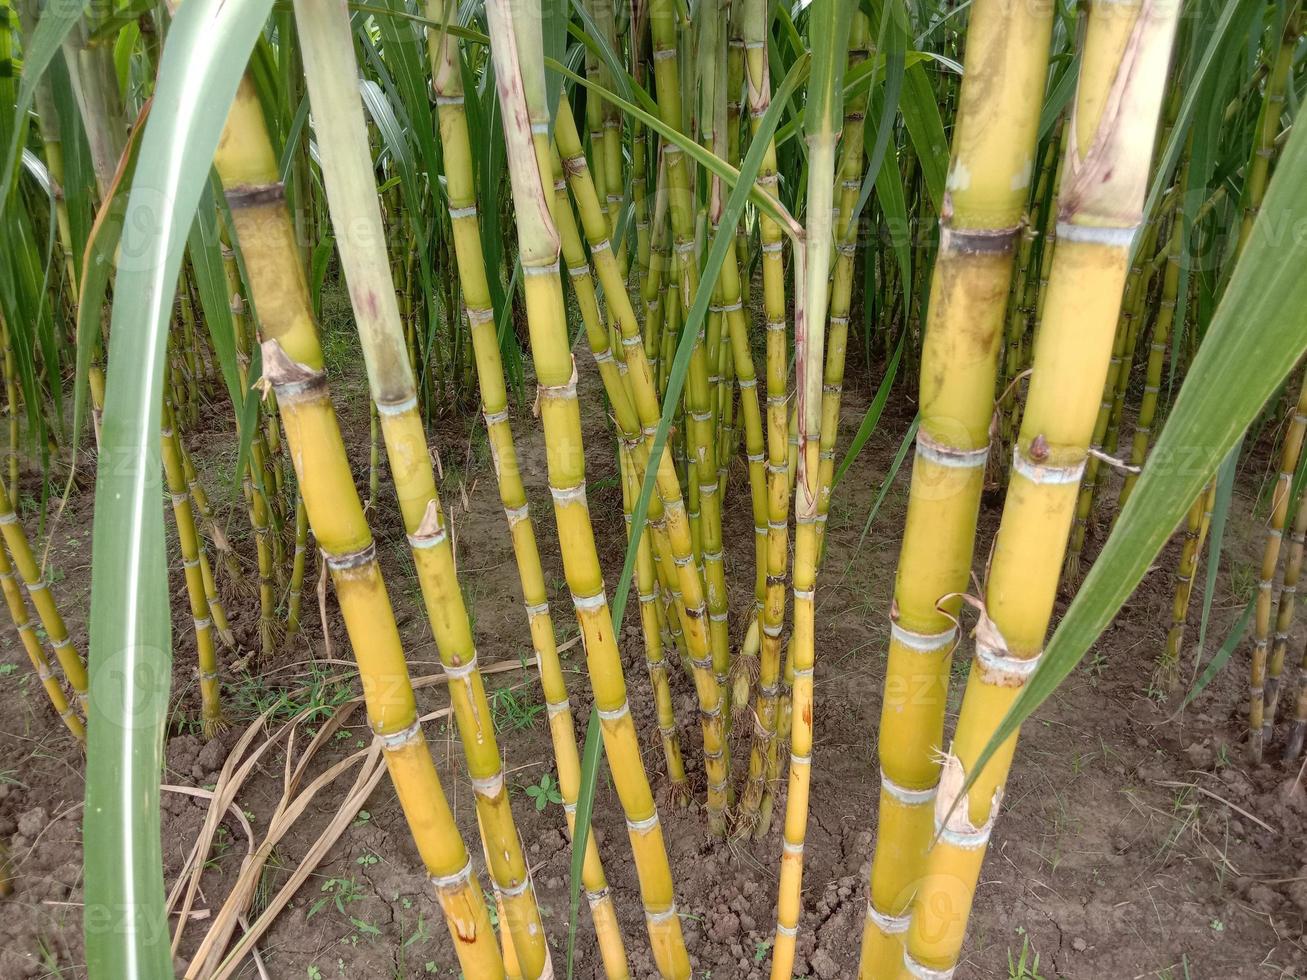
(131, 665)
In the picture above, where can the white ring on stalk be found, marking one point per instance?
(968, 840)
(937, 452)
(890, 925)
(459, 877)
(512, 891)
(906, 796)
(397, 739)
(590, 603)
(643, 826)
(663, 916)
(614, 714)
(787, 930)
(998, 661)
(459, 671)
(423, 541)
(489, 785)
(1046, 475)
(922, 642)
(1095, 235)
(569, 495)
(923, 972)
(397, 408)
(539, 609)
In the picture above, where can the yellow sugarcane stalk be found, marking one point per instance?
(1290, 449)
(831, 20)
(517, 51)
(613, 372)
(293, 367)
(461, 191)
(326, 43)
(297, 569)
(192, 551)
(993, 153)
(38, 591)
(1157, 351)
(1197, 521)
(1126, 50)
(668, 519)
(40, 662)
(766, 707)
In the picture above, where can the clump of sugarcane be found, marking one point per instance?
(327, 47)
(830, 25)
(620, 385)
(754, 812)
(66, 711)
(1264, 690)
(293, 368)
(203, 612)
(993, 150)
(517, 51)
(38, 592)
(1127, 48)
(461, 194)
(1197, 521)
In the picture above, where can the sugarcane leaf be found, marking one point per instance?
(98, 266)
(205, 250)
(55, 23)
(872, 416)
(1233, 374)
(723, 239)
(1231, 27)
(125, 924)
(714, 164)
(1059, 95)
(926, 130)
(1222, 656)
(1216, 536)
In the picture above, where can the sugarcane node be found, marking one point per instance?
(289, 379)
(243, 196)
(978, 241)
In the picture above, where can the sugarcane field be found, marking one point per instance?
(660, 489)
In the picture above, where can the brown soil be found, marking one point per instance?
(1131, 844)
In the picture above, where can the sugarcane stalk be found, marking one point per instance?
(38, 591)
(293, 599)
(326, 42)
(213, 720)
(518, 57)
(293, 368)
(494, 400)
(40, 662)
(668, 518)
(1197, 521)
(993, 157)
(1105, 172)
(750, 816)
(830, 26)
